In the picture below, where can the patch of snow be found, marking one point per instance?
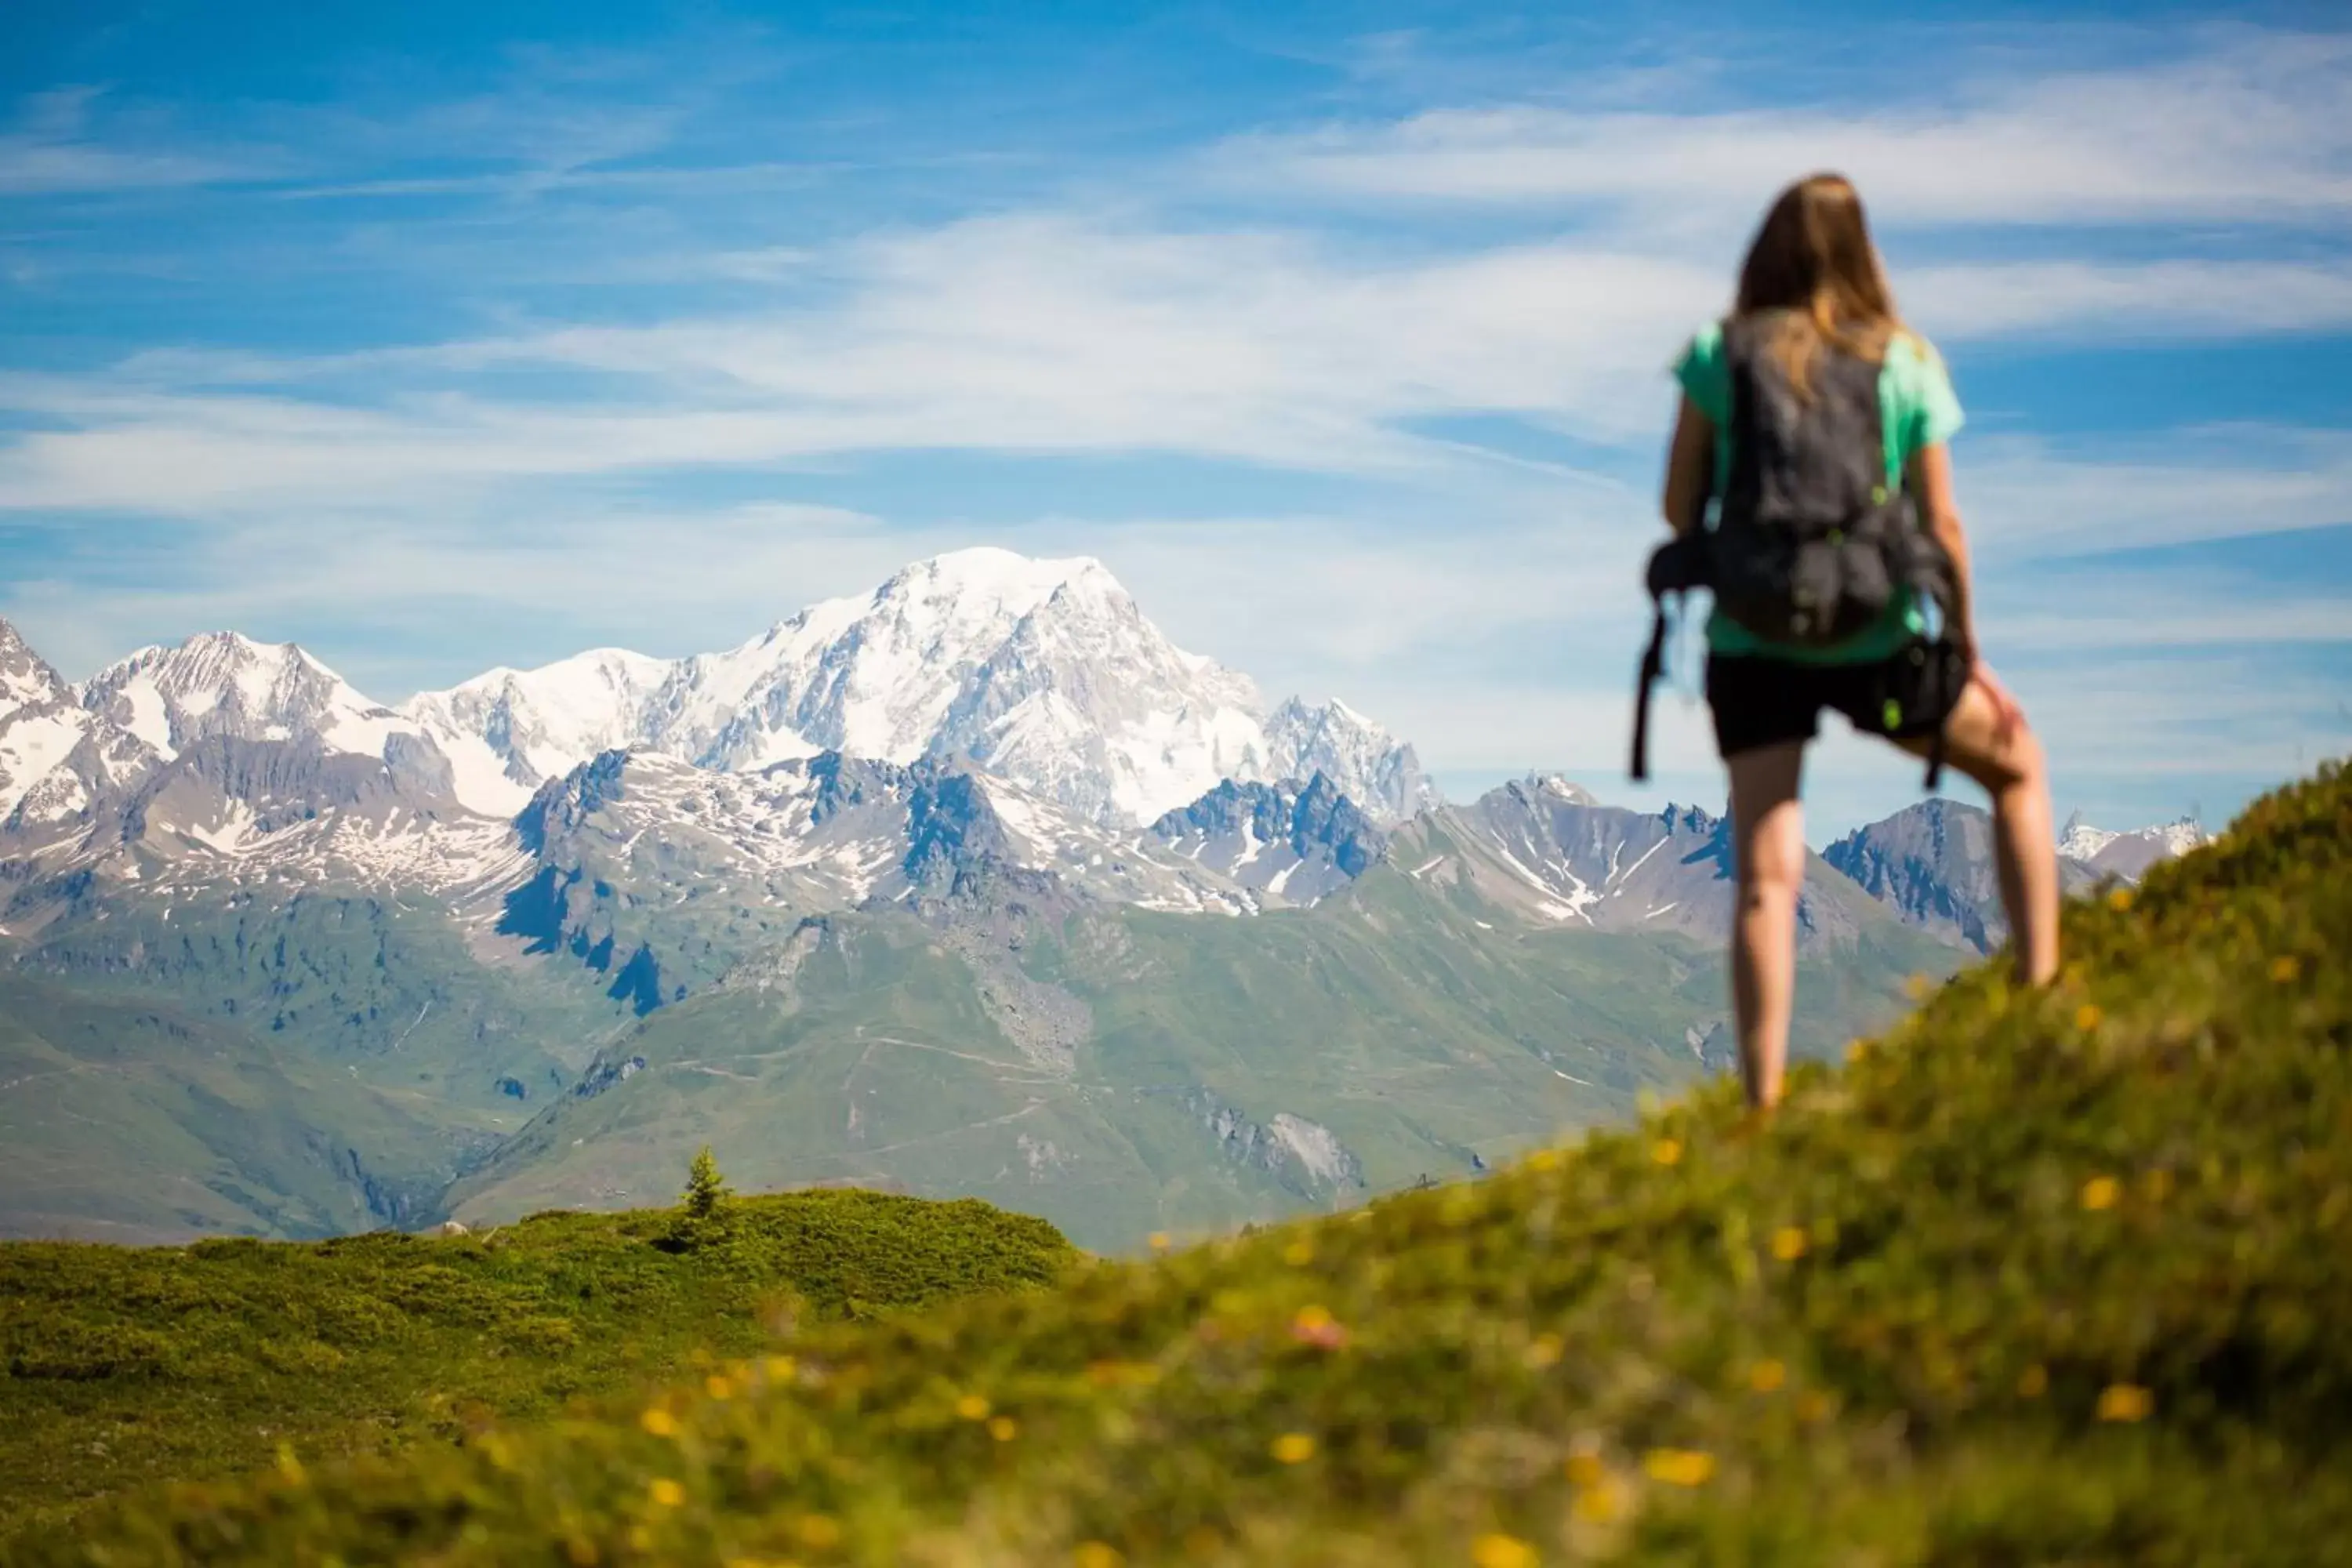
(31, 749)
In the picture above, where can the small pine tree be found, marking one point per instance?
(706, 1189)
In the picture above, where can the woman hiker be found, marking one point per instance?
(1800, 624)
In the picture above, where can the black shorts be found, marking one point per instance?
(1758, 700)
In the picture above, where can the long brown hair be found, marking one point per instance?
(1813, 260)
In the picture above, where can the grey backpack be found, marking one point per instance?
(1811, 545)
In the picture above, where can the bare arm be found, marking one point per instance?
(1690, 468)
(1930, 480)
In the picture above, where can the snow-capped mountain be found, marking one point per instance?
(225, 684)
(56, 757)
(1544, 848)
(1045, 673)
(632, 831)
(2129, 855)
(1364, 762)
(1297, 843)
(508, 731)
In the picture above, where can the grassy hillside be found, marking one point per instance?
(1424, 1033)
(2048, 1276)
(408, 998)
(119, 1367)
(130, 1119)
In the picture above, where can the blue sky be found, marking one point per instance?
(438, 336)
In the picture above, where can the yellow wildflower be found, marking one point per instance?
(1097, 1554)
(779, 1368)
(2120, 900)
(288, 1467)
(718, 1387)
(1294, 1448)
(1666, 1152)
(1678, 1466)
(1766, 1376)
(1004, 1428)
(2101, 1191)
(658, 1421)
(1499, 1550)
(973, 1408)
(2088, 1017)
(1544, 1160)
(1160, 1241)
(1544, 1350)
(1597, 1504)
(1918, 985)
(666, 1493)
(1299, 1253)
(2124, 1401)
(1789, 1244)
(1584, 1469)
(2284, 968)
(817, 1532)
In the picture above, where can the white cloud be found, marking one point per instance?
(2254, 130)
(1037, 335)
(2025, 501)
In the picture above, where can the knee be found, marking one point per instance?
(1771, 879)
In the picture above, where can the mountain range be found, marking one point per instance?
(974, 884)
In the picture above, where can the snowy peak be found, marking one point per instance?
(1362, 759)
(508, 731)
(1044, 673)
(1287, 841)
(2080, 841)
(225, 684)
(1088, 703)
(1533, 850)
(52, 753)
(25, 678)
(874, 677)
(2129, 855)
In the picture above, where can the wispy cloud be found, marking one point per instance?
(2025, 500)
(613, 338)
(53, 149)
(2253, 130)
(1038, 334)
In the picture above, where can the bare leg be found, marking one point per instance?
(1768, 825)
(1987, 738)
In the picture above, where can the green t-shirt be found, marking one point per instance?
(1916, 409)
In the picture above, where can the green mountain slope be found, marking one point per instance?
(1130, 1071)
(119, 1367)
(404, 994)
(134, 1121)
(2041, 1276)
(237, 1064)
